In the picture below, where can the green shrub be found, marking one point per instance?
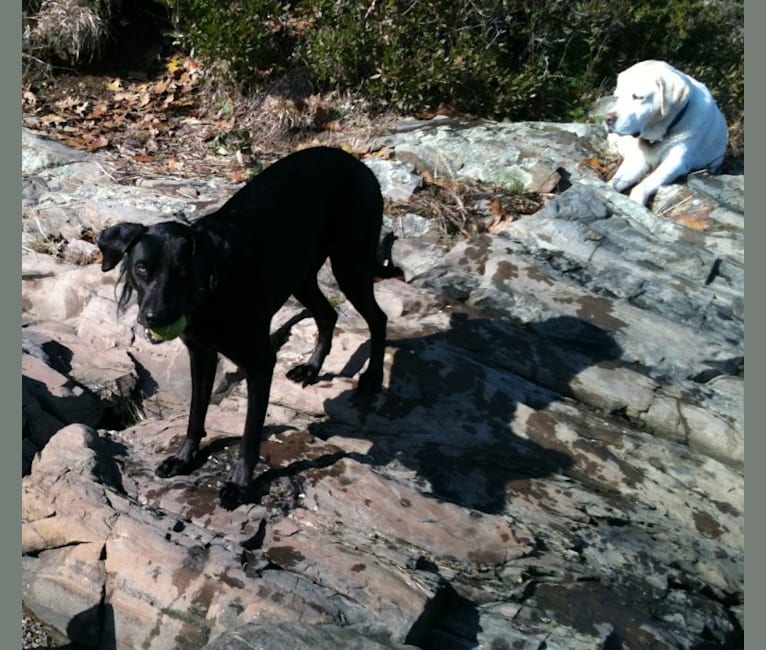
(250, 36)
(412, 54)
(499, 58)
(514, 59)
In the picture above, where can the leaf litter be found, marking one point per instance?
(174, 125)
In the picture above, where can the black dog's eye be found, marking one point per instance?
(140, 270)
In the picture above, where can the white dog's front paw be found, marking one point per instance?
(640, 194)
(630, 172)
(619, 184)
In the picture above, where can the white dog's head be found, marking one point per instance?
(648, 97)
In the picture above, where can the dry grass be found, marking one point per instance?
(287, 112)
(40, 242)
(70, 31)
(466, 207)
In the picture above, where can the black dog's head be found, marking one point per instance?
(158, 263)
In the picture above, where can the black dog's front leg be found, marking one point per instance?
(203, 362)
(259, 370)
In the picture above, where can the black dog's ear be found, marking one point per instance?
(115, 241)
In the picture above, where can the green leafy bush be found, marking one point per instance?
(513, 59)
(250, 36)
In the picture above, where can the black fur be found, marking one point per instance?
(230, 271)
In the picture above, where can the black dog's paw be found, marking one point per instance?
(173, 466)
(231, 495)
(369, 383)
(303, 373)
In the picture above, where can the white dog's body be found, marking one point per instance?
(664, 122)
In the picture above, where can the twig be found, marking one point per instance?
(677, 205)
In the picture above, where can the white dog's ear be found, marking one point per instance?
(673, 93)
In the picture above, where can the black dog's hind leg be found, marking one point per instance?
(358, 288)
(203, 363)
(325, 316)
(258, 366)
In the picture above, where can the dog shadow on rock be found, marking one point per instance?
(451, 412)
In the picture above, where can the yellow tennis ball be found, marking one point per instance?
(171, 331)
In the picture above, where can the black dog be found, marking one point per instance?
(229, 272)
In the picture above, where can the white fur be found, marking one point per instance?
(648, 98)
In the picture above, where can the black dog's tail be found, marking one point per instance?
(384, 264)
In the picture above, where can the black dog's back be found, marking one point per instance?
(319, 174)
(314, 203)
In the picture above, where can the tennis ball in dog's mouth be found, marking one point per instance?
(168, 332)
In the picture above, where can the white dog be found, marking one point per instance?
(666, 121)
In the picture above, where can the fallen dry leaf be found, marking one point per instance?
(595, 163)
(174, 63)
(97, 111)
(333, 126)
(87, 143)
(697, 220)
(116, 121)
(66, 103)
(115, 85)
(29, 98)
(125, 96)
(52, 118)
(161, 86)
(192, 64)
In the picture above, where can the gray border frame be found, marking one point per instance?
(754, 442)
(10, 470)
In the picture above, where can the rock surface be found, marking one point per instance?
(556, 459)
